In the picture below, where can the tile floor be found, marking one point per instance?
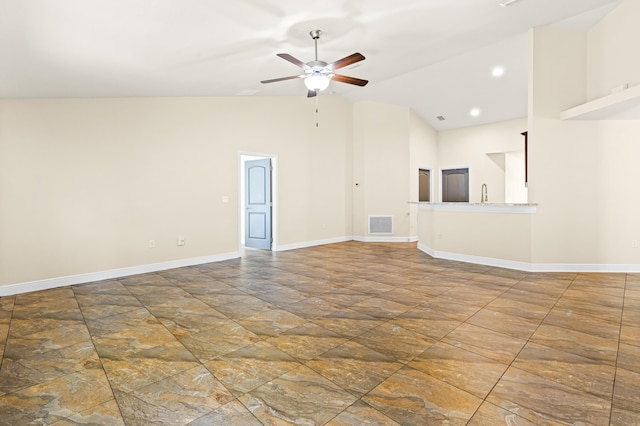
(342, 334)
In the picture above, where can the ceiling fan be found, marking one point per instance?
(318, 74)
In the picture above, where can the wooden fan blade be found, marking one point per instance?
(341, 63)
(311, 93)
(273, 80)
(350, 80)
(293, 60)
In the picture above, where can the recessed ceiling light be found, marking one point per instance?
(474, 112)
(497, 71)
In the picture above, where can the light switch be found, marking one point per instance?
(225, 199)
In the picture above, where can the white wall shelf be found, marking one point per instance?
(623, 105)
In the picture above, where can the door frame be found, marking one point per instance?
(244, 156)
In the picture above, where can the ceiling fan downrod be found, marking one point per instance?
(315, 35)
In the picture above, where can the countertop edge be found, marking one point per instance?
(481, 207)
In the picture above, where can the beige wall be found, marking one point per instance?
(612, 58)
(499, 238)
(582, 173)
(423, 154)
(381, 168)
(482, 149)
(85, 184)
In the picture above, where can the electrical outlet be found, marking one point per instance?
(181, 241)
(152, 243)
(635, 244)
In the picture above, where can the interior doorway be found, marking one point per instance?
(424, 185)
(455, 185)
(258, 201)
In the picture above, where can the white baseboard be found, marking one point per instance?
(580, 267)
(11, 289)
(427, 250)
(531, 267)
(46, 284)
(306, 244)
(381, 239)
(479, 260)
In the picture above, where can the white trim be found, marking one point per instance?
(481, 207)
(11, 289)
(586, 267)
(479, 260)
(427, 250)
(378, 239)
(531, 267)
(306, 244)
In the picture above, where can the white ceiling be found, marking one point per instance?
(434, 56)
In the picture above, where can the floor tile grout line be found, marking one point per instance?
(538, 324)
(84, 318)
(264, 339)
(74, 372)
(58, 377)
(133, 394)
(528, 339)
(615, 375)
(525, 345)
(358, 398)
(6, 342)
(465, 322)
(388, 320)
(199, 361)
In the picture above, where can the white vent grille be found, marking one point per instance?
(380, 224)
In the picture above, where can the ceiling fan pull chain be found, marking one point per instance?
(317, 108)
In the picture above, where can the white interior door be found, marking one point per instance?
(258, 204)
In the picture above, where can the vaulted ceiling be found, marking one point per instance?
(434, 56)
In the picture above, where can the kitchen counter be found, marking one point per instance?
(496, 234)
(523, 208)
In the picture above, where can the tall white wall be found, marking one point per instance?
(423, 154)
(612, 46)
(85, 184)
(583, 174)
(381, 168)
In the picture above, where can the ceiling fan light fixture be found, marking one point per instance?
(317, 82)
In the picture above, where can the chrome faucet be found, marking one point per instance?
(484, 197)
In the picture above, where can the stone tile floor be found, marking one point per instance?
(342, 334)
